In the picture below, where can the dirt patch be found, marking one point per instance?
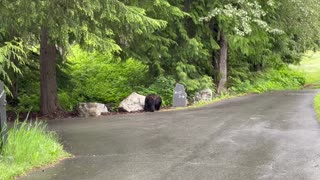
(312, 86)
(22, 116)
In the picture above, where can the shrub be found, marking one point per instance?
(28, 103)
(68, 101)
(101, 78)
(281, 79)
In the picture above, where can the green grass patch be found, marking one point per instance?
(317, 105)
(29, 145)
(310, 65)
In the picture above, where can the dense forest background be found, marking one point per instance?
(55, 54)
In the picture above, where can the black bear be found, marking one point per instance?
(152, 103)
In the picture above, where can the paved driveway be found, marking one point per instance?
(270, 136)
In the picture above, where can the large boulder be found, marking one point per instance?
(134, 102)
(92, 109)
(204, 95)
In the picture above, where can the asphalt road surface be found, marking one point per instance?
(270, 136)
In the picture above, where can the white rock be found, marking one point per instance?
(204, 95)
(92, 109)
(133, 103)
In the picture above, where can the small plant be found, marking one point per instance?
(29, 103)
(317, 105)
(29, 145)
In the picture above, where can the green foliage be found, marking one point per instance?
(104, 78)
(29, 145)
(317, 105)
(240, 17)
(163, 86)
(28, 103)
(68, 100)
(281, 79)
(9, 52)
(300, 21)
(89, 22)
(101, 77)
(191, 79)
(27, 90)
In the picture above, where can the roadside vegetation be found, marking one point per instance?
(310, 66)
(271, 80)
(317, 105)
(96, 77)
(29, 145)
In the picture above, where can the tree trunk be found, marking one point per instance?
(215, 64)
(48, 83)
(223, 54)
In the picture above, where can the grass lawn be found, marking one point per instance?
(29, 145)
(317, 105)
(310, 65)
